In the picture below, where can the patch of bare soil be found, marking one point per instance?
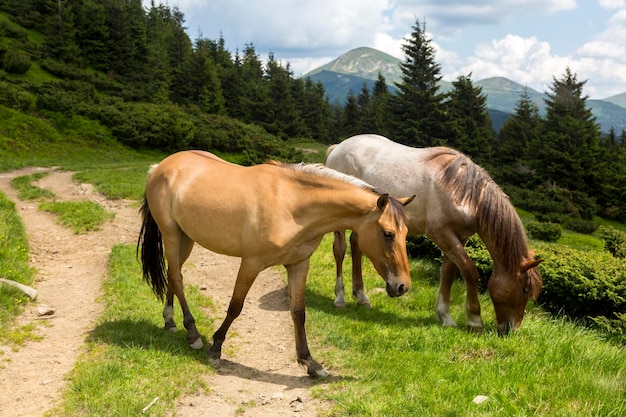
(258, 375)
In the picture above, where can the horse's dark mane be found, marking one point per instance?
(471, 185)
(320, 170)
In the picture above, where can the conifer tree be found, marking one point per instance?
(60, 30)
(514, 147)
(567, 152)
(92, 34)
(380, 106)
(471, 130)
(366, 122)
(350, 116)
(418, 116)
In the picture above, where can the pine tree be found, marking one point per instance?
(515, 145)
(380, 106)
(92, 34)
(366, 121)
(567, 152)
(418, 116)
(60, 30)
(316, 111)
(350, 117)
(471, 130)
(254, 100)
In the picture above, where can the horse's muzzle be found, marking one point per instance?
(396, 291)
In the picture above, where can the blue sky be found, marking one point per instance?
(527, 41)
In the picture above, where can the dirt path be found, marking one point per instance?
(258, 378)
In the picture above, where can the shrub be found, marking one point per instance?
(16, 62)
(582, 226)
(582, 284)
(420, 247)
(549, 232)
(614, 241)
(16, 98)
(478, 253)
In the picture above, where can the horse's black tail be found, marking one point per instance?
(150, 243)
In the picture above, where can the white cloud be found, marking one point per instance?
(527, 61)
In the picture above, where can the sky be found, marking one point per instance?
(531, 42)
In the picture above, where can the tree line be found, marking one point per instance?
(136, 70)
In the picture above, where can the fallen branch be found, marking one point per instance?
(143, 411)
(31, 292)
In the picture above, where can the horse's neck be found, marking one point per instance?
(336, 209)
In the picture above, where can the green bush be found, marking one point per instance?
(16, 62)
(614, 241)
(582, 284)
(420, 247)
(582, 226)
(478, 253)
(16, 98)
(549, 232)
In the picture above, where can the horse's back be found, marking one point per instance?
(402, 170)
(211, 200)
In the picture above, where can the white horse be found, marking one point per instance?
(455, 199)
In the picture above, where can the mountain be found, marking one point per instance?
(361, 65)
(364, 63)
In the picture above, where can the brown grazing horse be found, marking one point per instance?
(457, 199)
(269, 214)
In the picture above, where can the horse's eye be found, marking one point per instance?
(388, 235)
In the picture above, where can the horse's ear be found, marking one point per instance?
(382, 201)
(531, 264)
(406, 200)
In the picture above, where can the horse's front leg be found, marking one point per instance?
(339, 252)
(358, 290)
(245, 277)
(296, 275)
(442, 305)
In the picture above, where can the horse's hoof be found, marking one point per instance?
(214, 354)
(475, 329)
(445, 320)
(366, 304)
(340, 304)
(197, 344)
(171, 329)
(214, 362)
(320, 373)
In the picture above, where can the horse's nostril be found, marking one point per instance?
(402, 289)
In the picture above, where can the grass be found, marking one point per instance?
(80, 216)
(14, 265)
(125, 182)
(396, 360)
(392, 360)
(26, 191)
(130, 359)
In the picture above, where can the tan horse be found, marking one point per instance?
(457, 199)
(269, 214)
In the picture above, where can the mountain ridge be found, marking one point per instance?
(359, 66)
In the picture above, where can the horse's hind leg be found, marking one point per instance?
(176, 258)
(358, 290)
(339, 251)
(168, 311)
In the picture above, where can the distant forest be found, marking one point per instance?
(137, 72)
